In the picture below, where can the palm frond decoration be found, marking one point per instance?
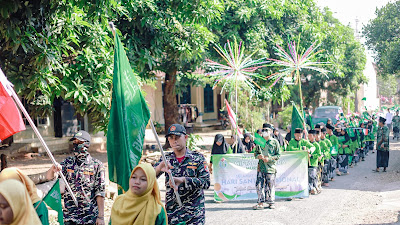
(294, 61)
(238, 67)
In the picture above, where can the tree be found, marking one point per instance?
(387, 86)
(382, 36)
(53, 49)
(168, 36)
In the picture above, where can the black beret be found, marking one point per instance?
(298, 130)
(312, 131)
(330, 127)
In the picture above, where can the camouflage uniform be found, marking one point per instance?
(87, 181)
(396, 124)
(382, 137)
(266, 171)
(194, 167)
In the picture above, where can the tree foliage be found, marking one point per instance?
(59, 49)
(382, 36)
(64, 48)
(168, 36)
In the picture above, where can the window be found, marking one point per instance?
(186, 97)
(38, 121)
(208, 99)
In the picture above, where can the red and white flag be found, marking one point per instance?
(10, 117)
(232, 117)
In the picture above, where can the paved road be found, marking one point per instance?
(362, 197)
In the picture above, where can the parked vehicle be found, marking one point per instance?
(321, 114)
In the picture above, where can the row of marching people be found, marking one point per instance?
(332, 148)
(335, 149)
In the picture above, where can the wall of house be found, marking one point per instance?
(154, 97)
(46, 130)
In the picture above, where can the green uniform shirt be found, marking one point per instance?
(272, 150)
(335, 144)
(315, 154)
(325, 150)
(327, 142)
(346, 150)
(396, 121)
(382, 136)
(297, 145)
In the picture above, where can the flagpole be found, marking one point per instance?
(178, 199)
(44, 195)
(22, 108)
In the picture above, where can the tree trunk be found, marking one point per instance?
(169, 99)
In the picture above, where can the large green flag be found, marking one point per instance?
(297, 120)
(53, 200)
(129, 116)
(259, 140)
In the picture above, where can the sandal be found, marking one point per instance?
(258, 207)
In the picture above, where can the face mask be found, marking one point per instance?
(80, 151)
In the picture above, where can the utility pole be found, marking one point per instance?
(357, 92)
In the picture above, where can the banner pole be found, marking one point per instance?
(53, 160)
(178, 199)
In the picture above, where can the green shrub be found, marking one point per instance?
(285, 117)
(192, 141)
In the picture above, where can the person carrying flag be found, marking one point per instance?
(191, 177)
(266, 170)
(86, 176)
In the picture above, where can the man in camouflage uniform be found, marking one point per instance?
(266, 170)
(86, 177)
(396, 125)
(382, 145)
(191, 176)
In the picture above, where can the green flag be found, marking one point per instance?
(53, 200)
(259, 140)
(129, 116)
(297, 120)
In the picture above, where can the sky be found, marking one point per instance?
(347, 11)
